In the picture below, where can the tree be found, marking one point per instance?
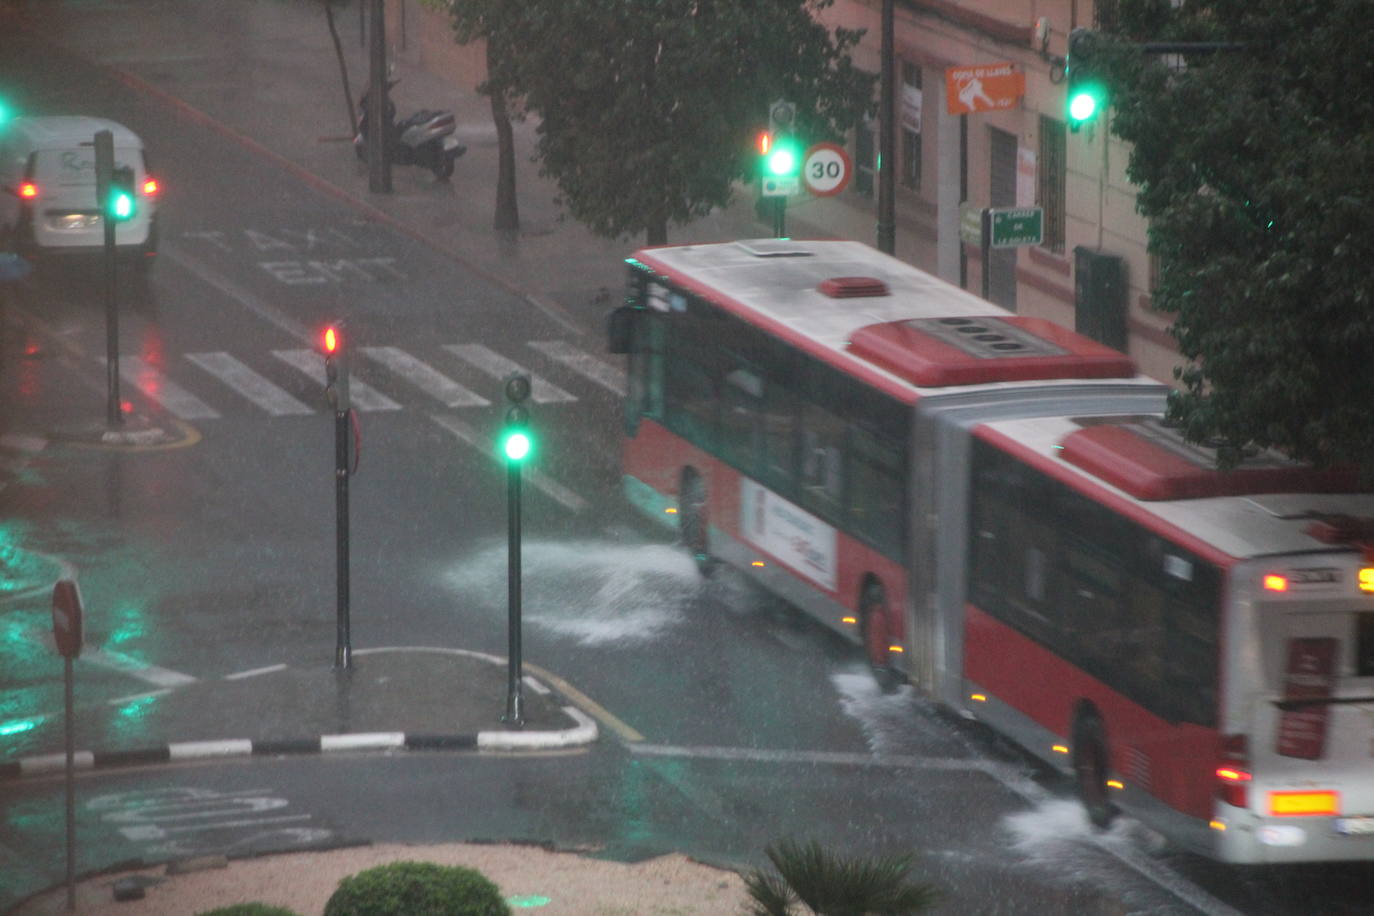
(499, 24)
(647, 107)
(1256, 172)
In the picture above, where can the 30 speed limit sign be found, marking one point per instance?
(826, 169)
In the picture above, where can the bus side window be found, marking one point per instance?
(822, 458)
(741, 428)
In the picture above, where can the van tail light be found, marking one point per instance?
(1233, 771)
(28, 190)
(151, 188)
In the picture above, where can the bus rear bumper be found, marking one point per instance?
(1242, 837)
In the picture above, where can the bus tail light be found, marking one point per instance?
(28, 190)
(151, 187)
(1294, 804)
(1275, 583)
(1233, 771)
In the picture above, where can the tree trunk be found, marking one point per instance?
(343, 66)
(507, 218)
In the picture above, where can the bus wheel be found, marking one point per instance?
(1090, 768)
(693, 520)
(874, 631)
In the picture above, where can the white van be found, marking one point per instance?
(47, 189)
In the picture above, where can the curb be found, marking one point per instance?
(584, 732)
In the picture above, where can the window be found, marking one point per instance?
(1094, 588)
(1049, 193)
(911, 125)
(690, 398)
(822, 460)
(875, 491)
(741, 420)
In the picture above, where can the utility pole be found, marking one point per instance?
(378, 124)
(887, 139)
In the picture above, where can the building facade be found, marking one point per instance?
(1090, 271)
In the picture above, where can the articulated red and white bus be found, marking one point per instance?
(991, 505)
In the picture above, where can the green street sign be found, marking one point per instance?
(1022, 226)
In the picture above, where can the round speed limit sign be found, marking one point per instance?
(826, 169)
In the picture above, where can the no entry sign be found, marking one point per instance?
(66, 618)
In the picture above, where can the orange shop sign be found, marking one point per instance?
(983, 87)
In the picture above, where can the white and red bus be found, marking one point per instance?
(991, 505)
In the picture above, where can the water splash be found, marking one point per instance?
(886, 719)
(595, 592)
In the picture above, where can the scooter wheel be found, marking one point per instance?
(443, 167)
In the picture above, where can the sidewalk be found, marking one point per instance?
(389, 699)
(287, 99)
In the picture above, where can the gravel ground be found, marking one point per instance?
(574, 885)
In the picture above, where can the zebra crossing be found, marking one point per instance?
(180, 387)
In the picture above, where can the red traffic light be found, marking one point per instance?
(332, 340)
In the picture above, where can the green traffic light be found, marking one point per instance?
(121, 205)
(517, 445)
(1083, 104)
(781, 161)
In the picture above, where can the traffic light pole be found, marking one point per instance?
(515, 699)
(516, 448)
(779, 217)
(343, 646)
(103, 143)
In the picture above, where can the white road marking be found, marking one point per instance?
(116, 661)
(425, 377)
(160, 677)
(604, 374)
(542, 391)
(153, 383)
(311, 363)
(836, 758)
(249, 383)
(254, 672)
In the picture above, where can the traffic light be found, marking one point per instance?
(121, 202)
(333, 345)
(1087, 92)
(516, 443)
(783, 159)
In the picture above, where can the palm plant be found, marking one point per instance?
(832, 885)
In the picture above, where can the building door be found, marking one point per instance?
(1002, 187)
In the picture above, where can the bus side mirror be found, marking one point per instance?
(620, 329)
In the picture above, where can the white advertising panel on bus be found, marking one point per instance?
(793, 535)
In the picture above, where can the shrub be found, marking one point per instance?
(828, 884)
(249, 909)
(414, 888)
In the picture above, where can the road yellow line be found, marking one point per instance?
(587, 704)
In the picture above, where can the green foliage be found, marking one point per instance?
(1256, 171)
(647, 107)
(249, 909)
(410, 888)
(832, 885)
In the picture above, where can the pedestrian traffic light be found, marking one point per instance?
(121, 203)
(1087, 93)
(333, 345)
(516, 443)
(783, 159)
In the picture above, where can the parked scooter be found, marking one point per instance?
(424, 139)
